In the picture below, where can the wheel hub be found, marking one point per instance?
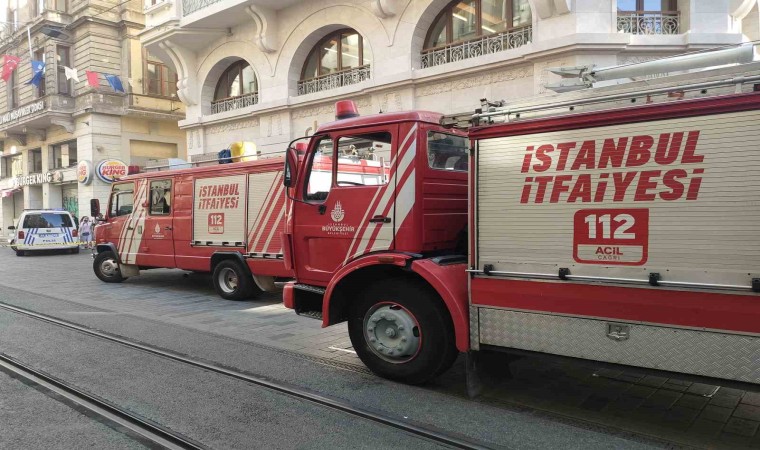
(392, 332)
(228, 280)
(109, 267)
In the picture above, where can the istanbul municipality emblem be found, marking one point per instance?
(337, 213)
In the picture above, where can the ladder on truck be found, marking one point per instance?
(581, 89)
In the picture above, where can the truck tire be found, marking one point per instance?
(106, 267)
(232, 281)
(19, 253)
(401, 330)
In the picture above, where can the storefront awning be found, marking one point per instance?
(9, 192)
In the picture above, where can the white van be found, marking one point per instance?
(44, 229)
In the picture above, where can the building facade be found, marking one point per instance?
(270, 71)
(47, 130)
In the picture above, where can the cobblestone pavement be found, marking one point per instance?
(668, 409)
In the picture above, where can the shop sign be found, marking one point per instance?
(23, 111)
(37, 178)
(84, 172)
(110, 170)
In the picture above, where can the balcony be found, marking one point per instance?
(334, 80)
(191, 6)
(493, 43)
(231, 104)
(649, 22)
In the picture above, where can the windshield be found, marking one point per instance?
(47, 220)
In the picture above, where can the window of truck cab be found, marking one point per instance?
(361, 159)
(160, 197)
(122, 199)
(447, 151)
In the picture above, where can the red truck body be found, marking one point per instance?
(198, 219)
(618, 225)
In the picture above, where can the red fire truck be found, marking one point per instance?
(617, 224)
(225, 219)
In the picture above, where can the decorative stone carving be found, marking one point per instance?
(391, 102)
(230, 126)
(481, 79)
(383, 8)
(266, 27)
(328, 108)
(184, 61)
(67, 124)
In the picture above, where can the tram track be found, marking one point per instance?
(143, 426)
(118, 417)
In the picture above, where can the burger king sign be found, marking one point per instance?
(110, 170)
(84, 172)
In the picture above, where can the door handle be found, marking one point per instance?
(130, 228)
(168, 228)
(380, 219)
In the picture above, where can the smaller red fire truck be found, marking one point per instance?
(224, 219)
(617, 224)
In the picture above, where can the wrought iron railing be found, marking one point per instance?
(191, 6)
(334, 80)
(233, 103)
(493, 43)
(648, 22)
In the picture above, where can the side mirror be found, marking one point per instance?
(94, 207)
(11, 227)
(291, 163)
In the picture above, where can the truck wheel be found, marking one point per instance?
(232, 281)
(19, 253)
(401, 330)
(106, 267)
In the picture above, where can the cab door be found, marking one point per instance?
(348, 194)
(157, 245)
(116, 229)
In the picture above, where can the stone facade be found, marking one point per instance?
(201, 38)
(72, 118)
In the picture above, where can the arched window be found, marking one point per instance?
(236, 88)
(648, 16)
(339, 59)
(485, 26)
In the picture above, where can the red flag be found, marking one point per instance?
(9, 65)
(92, 78)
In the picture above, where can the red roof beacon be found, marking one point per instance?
(346, 109)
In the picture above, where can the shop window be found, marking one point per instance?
(339, 59)
(447, 151)
(39, 55)
(160, 197)
(64, 155)
(466, 29)
(35, 161)
(237, 88)
(161, 79)
(122, 199)
(63, 59)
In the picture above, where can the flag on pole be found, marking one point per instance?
(92, 78)
(115, 82)
(38, 71)
(71, 73)
(10, 63)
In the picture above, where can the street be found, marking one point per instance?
(543, 405)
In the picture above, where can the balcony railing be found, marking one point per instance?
(648, 22)
(191, 6)
(493, 43)
(334, 80)
(234, 103)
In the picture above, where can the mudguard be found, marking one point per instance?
(449, 280)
